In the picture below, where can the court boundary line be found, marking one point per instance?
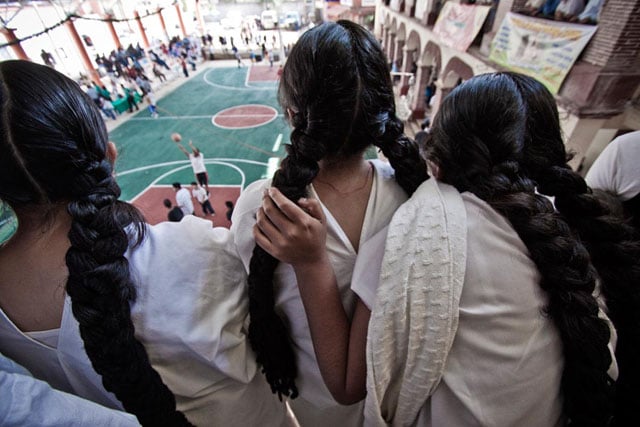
(273, 116)
(246, 88)
(187, 164)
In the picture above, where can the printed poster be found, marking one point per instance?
(458, 24)
(543, 49)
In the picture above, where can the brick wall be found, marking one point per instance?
(616, 44)
(607, 73)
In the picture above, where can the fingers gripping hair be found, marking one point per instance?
(333, 87)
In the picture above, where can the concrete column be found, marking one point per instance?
(407, 60)
(391, 46)
(423, 77)
(397, 51)
(88, 65)
(143, 34)
(15, 44)
(407, 7)
(441, 93)
(184, 31)
(163, 25)
(112, 31)
(579, 134)
(199, 18)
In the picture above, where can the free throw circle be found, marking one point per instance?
(244, 116)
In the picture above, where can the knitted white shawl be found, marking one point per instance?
(415, 317)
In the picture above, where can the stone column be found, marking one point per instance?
(423, 77)
(579, 134)
(143, 34)
(88, 65)
(440, 94)
(383, 36)
(199, 18)
(390, 46)
(112, 31)
(184, 31)
(397, 51)
(15, 44)
(407, 60)
(163, 25)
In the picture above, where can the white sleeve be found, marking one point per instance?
(244, 218)
(616, 168)
(366, 271)
(27, 402)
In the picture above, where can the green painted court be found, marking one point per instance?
(231, 114)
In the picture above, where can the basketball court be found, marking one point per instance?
(231, 114)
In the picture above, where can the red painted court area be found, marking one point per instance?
(239, 116)
(244, 116)
(263, 73)
(150, 203)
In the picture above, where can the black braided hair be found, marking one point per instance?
(337, 94)
(611, 241)
(478, 141)
(53, 147)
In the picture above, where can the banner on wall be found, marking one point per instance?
(458, 24)
(539, 48)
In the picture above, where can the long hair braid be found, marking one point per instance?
(268, 333)
(56, 143)
(403, 153)
(337, 94)
(377, 121)
(101, 292)
(486, 158)
(615, 252)
(611, 242)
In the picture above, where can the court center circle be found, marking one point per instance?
(244, 116)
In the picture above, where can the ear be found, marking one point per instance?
(112, 152)
(435, 169)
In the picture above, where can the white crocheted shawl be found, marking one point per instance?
(415, 317)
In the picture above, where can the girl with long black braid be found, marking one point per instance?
(615, 171)
(158, 311)
(524, 341)
(337, 95)
(485, 313)
(611, 240)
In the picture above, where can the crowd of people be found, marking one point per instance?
(471, 279)
(577, 11)
(131, 73)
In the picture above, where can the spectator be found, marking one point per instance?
(616, 171)
(201, 195)
(175, 214)
(183, 199)
(568, 9)
(591, 12)
(229, 205)
(86, 273)
(336, 111)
